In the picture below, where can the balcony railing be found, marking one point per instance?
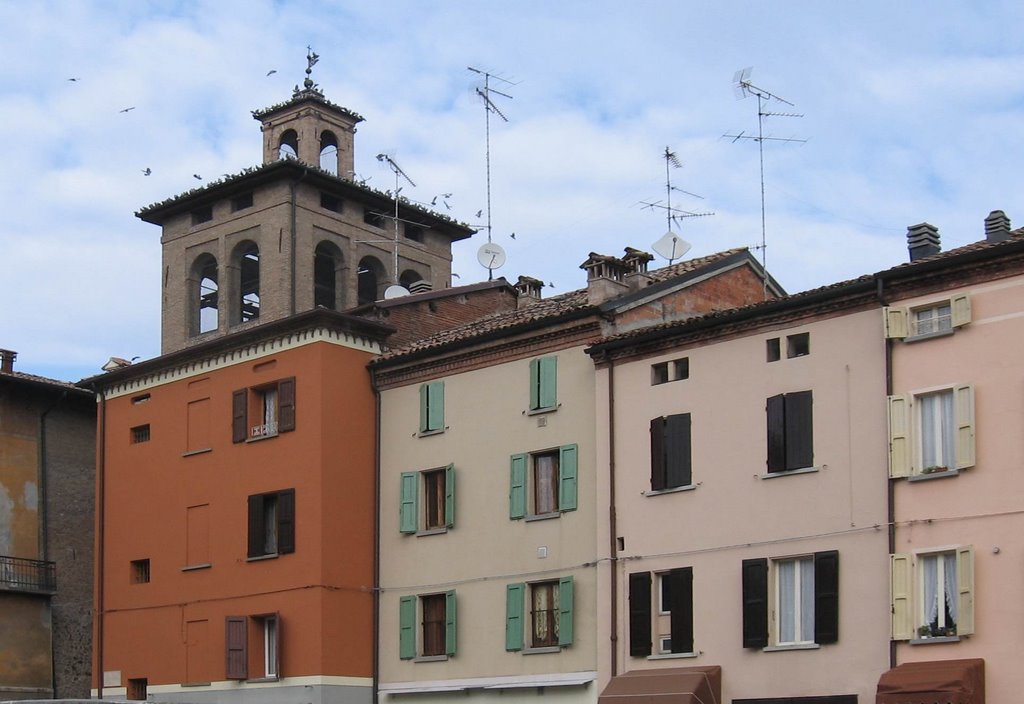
(18, 574)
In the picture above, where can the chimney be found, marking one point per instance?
(997, 226)
(604, 278)
(636, 262)
(421, 286)
(528, 289)
(922, 241)
(7, 358)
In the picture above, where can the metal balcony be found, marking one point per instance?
(18, 574)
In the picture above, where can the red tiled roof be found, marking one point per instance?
(35, 379)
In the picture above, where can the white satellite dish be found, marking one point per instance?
(671, 246)
(491, 256)
(395, 291)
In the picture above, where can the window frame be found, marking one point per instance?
(516, 615)
(432, 408)
(243, 408)
(670, 370)
(413, 513)
(790, 432)
(284, 524)
(412, 626)
(647, 613)
(244, 636)
(671, 451)
(760, 607)
(543, 384)
(906, 592)
(906, 436)
(522, 482)
(899, 321)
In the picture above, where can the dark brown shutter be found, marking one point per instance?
(286, 405)
(239, 408)
(755, 603)
(286, 521)
(679, 583)
(799, 445)
(677, 450)
(657, 454)
(776, 433)
(256, 528)
(640, 614)
(237, 656)
(826, 597)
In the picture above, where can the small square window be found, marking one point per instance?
(773, 350)
(372, 217)
(241, 202)
(141, 398)
(137, 689)
(798, 345)
(659, 373)
(664, 372)
(140, 571)
(935, 319)
(414, 232)
(332, 203)
(681, 369)
(201, 215)
(140, 433)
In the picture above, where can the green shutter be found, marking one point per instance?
(567, 461)
(449, 496)
(517, 490)
(565, 611)
(407, 627)
(534, 384)
(408, 511)
(424, 408)
(548, 392)
(450, 623)
(514, 616)
(435, 405)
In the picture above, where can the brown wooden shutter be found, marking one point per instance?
(677, 451)
(755, 603)
(236, 651)
(776, 434)
(799, 430)
(640, 614)
(679, 583)
(657, 453)
(239, 408)
(256, 528)
(286, 405)
(826, 597)
(286, 521)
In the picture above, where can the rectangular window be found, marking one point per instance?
(798, 345)
(329, 202)
(543, 383)
(798, 595)
(140, 571)
(671, 622)
(137, 689)
(934, 319)
(927, 321)
(241, 202)
(414, 232)
(543, 483)
(773, 350)
(267, 626)
(140, 433)
(436, 509)
(547, 609)
(436, 635)
(790, 433)
(272, 523)
(676, 370)
(263, 411)
(201, 215)
(253, 644)
(432, 407)
(931, 432)
(670, 452)
(932, 594)
(372, 217)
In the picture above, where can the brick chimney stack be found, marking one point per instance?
(7, 358)
(922, 241)
(997, 226)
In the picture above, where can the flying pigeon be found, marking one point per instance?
(147, 171)
(197, 177)
(73, 79)
(513, 235)
(479, 212)
(271, 72)
(126, 109)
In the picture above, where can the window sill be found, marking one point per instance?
(935, 639)
(258, 680)
(542, 651)
(259, 558)
(929, 335)
(673, 490)
(789, 472)
(257, 439)
(200, 566)
(196, 684)
(430, 658)
(428, 433)
(541, 411)
(431, 531)
(933, 475)
(201, 451)
(672, 656)
(541, 516)
(794, 646)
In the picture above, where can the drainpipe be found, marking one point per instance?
(612, 524)
(100, 516)
(376, 541)
(890, 485)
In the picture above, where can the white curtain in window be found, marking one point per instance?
(807, 600)
(950, 584)
(930, 581)
(546, 477)
(270, 410)
(937, 430)
(787, 601)
(542, 598)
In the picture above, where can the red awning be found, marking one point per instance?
(934, 682)
(672, 685)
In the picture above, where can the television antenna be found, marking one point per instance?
(486, 92)
(743, 88)
(399, 176)
(671, 246)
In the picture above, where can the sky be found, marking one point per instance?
(903, 112)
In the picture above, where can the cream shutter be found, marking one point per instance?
(963, 409)
(960, 308)
(900, 591)
(965, 589)
(899, 436)
(894, 321)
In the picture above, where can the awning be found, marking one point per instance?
(934, 682)
(672, 685)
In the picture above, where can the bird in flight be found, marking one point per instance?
(197, 177)
(73, 80)
(126, 109)
(147, 171)
(513, 235)
(479, 212)
(271, 72)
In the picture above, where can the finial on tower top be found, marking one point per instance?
(311, 59)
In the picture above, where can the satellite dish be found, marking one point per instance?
(671, 246)
(491, 256)
(395, 291)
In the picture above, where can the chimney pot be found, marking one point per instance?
(7, 358)
(997, 226)
(922, 241)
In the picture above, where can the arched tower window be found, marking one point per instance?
(329, 152)
(326, 271)
(370, 276)
(288, 148)
(247, 260)
(205, 302)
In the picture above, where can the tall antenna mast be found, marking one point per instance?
(672, 246)
(485, 94)
(399, 175)
(742, 87)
